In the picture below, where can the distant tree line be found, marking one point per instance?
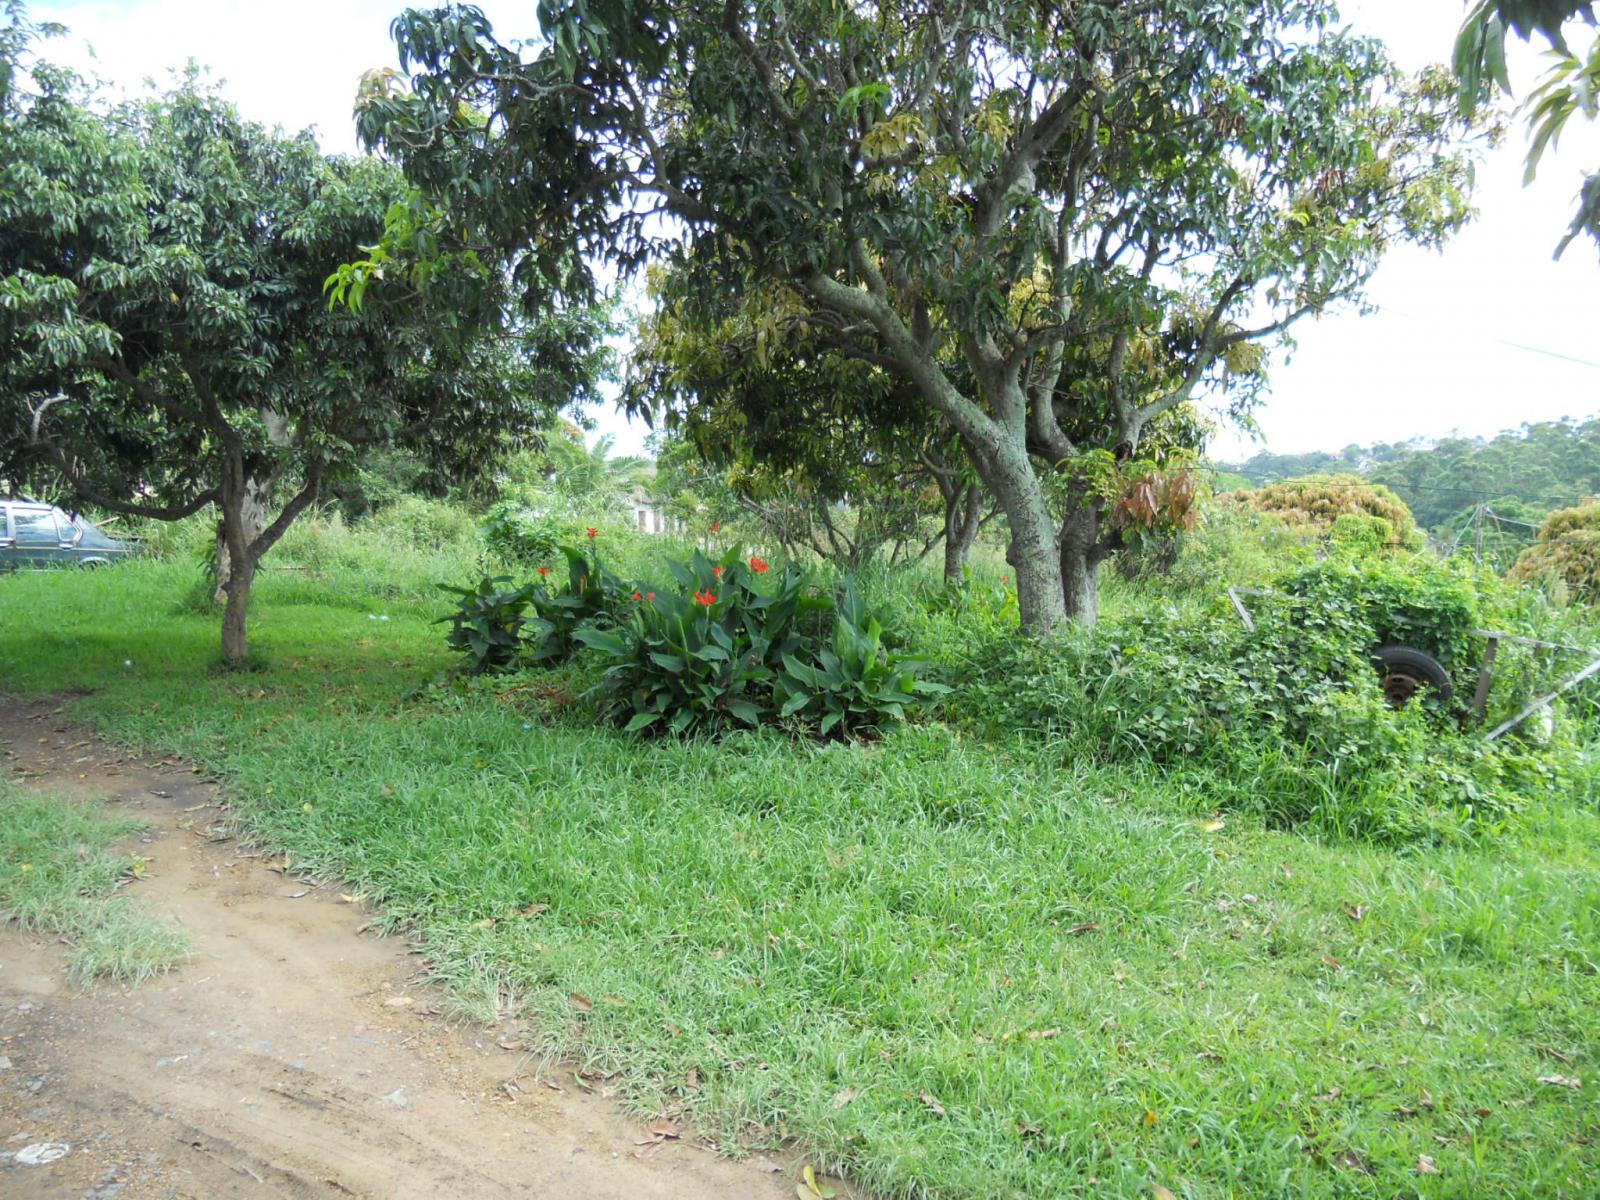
(1520, 475)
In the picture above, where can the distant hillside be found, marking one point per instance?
(1521, 474)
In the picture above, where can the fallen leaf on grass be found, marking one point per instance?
(672, 1030)
(844, 1097)
(615, 1001)
(1425, 1165)
(1161, 1193)
(1425, 1100)
(509, 1043)
(1566, 1081)
(487, 923)
(932, 1105)
(1555, 1054)
(666, 1129)
(1333, 962)
(1213, 825)
(581, 1003)
(532, 910)
(1086, 927)
(1355, 911)
(1150, 1117)
(691, 1081)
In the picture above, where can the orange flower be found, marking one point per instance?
(716, 527)
(637, 595)
(591, 533)
(716, 572)
(1005, 581)
(651, 597)
(759, 565)
(705, 598)
(543, 571)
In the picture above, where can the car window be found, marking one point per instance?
(64, 529)
(34, 528)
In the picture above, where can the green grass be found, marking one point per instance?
(1095, 992)
(57, 877)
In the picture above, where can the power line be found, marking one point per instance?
(1524, 346)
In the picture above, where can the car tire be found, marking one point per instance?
(1404, 671)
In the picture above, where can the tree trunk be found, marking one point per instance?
(1081, 555)
(1033, 553)
(240, 499)
(963, 512)
(253, 519)
(235, 647)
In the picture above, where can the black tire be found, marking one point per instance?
(1405, 671)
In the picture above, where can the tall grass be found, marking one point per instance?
(956, 967)
(56, 876)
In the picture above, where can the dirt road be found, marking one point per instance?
(293, 1056)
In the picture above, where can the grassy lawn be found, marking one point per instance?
(942, 965)
(57, 876)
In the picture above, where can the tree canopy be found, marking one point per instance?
(1570, 86)
(1566, 553)
(1101, 209)
(165, 341)
(1316, 503)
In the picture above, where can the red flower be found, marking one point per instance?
(705, 598)
(716, 572)
(759, 565)
(637, 595)
(716, 527)
(543, 571)
(591, 533)
(651, 597)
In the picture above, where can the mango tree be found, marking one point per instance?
(1102, 209)
(165, 341)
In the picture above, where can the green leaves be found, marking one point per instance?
(488, 622)
(736, 648)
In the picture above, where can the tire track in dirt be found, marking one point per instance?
(291, 1057)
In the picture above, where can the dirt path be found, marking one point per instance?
(293, 1057)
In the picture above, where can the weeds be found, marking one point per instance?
(1099, 982)
(56, 877)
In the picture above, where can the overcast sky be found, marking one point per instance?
(1486, 335)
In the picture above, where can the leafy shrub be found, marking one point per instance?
(1232, 545)
(592, 596)
(492, 625)
(517, 533)
(1288, 719)
(487, 622)
(1314, 505)
(425, 522)
(857, 683)
(1566, 554)
(722, 649)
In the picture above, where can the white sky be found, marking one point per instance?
(1455, 346)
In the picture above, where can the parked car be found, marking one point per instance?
(34, 536)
